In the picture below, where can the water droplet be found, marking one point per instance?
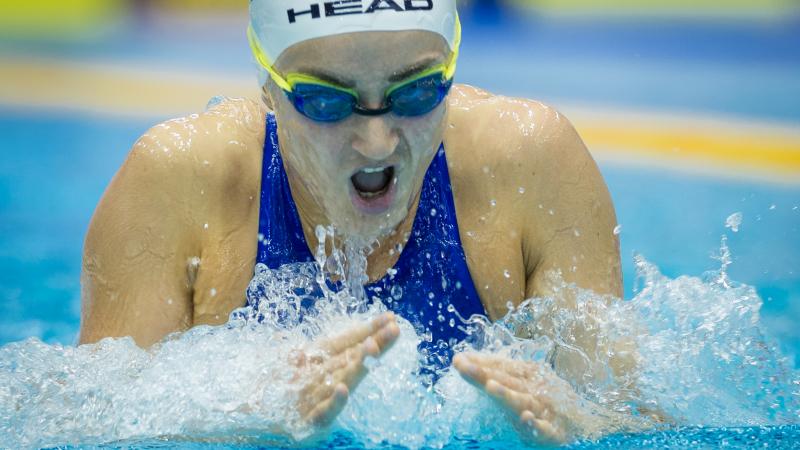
(397, 292)
(452, 323)
(430, 295)
(440, 318)
(458, 285)
(492, 203)
(734, 221)
(617, 230)
(506, 273)
(433, 211)
(577, 232)
(213, 292)
(772, 207)
(427, 255)
(551, 212)
(485, 169)
(169, 301)
(205, 226)
(521, 190)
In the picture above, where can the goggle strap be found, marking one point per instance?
(264, 62)
(451, 64)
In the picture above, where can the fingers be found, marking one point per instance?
(352, 373)
(469, 370)
(544, 430)
(327, 410)
(359, 334)
(339, 367)
(517, 385)
(348, 371)
(503, 383)
(383, 339)
(518, 369)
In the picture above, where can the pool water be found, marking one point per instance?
(55, 165)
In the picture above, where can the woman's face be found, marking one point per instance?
(364, 172)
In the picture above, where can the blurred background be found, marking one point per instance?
(691, 107)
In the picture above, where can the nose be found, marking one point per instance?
(376, 139)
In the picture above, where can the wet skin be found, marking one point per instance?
(172, 243)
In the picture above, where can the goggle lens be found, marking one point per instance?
(322, 103)
(329, 104)
(420, 96)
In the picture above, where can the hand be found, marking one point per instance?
(333, 367)
(545, 408)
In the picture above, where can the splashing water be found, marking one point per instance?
(702, 357)
(734, 221)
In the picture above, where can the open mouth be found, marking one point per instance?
(371, 182)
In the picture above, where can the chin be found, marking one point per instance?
(369, 227)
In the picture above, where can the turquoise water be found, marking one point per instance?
(45, 217)
(55, 166)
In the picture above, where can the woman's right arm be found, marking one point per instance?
(137, 276)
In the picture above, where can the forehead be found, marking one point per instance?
(364, 52)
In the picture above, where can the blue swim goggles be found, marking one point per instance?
(322, 101)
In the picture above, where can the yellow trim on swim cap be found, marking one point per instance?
(291, 79)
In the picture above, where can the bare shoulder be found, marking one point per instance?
(516, 136)
(517, 148)
(203, 158)
(216, 148)
(527, 160)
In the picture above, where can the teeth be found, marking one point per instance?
(373, 169)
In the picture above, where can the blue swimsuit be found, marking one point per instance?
(431, 273)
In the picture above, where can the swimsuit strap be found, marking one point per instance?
(280, 232)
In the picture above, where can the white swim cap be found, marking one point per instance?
(279, 24)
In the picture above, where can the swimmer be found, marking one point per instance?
(472, 199)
